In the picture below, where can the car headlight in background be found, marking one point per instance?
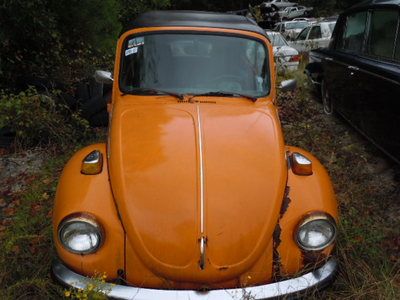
(316, 232)
(80, 234)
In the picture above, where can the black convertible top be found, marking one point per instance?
(185, 18)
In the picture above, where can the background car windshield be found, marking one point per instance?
(296, 25)
(277, 40)
(194, 64)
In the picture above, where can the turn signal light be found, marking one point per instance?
(93, 163)
(300, 164)
(295, 58)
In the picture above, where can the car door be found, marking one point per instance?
(299, 12)
(379, 70)
(294, 12)
(340, 66)
(314, 38)
(300, 42)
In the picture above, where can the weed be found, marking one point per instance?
(96, 289)
(40, 120)
(26, 250)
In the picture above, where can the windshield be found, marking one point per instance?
(277, 40)
(297, 25)
(194, 64)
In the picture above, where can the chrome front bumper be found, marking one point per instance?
(292, 287)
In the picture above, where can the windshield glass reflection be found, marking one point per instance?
(195, 64)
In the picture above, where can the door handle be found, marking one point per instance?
(329, 58)
(353, 68)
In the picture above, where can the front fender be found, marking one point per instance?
(305, 194)
(91, 194)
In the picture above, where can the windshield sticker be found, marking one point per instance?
(138, 41)
(131, 51)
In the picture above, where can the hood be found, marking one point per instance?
(285, 51)
(184, 174)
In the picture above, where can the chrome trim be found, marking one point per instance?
(365, 71)
(203, 244)
(93, 160)
(201, 167)
(316, 279)
(354, 68)
(81, 218)
(314, 216)
(301, 159)
(93, 157)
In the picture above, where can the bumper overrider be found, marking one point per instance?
(316, 279)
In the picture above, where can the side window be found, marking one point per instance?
(353, 33)
(303, 35)
(315, 33)
(382, 33)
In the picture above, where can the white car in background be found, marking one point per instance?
(295, 12)
(286, 57)
(281, 4)
(314, 36)
(291, 29)
(309, 20)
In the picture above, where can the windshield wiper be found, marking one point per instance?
(151, 91)
(224, 94)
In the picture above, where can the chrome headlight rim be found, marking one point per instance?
(312, 217)
(81, 218)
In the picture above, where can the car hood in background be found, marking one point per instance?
(285, 51)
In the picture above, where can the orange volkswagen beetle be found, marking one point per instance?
(195, 195)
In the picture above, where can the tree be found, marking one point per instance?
(54, 39)
(131, 8)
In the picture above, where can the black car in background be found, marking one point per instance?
(359, 73)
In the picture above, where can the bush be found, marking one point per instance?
(40, 120)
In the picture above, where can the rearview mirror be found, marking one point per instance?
(288, 85)
(103, 77)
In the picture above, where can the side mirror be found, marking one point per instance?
(288, 85)
(103, 77)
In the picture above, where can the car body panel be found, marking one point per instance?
(312, 41)
(281, 4)
(291, 33)
(283, 54)
(284, 58)
(155, 145)
(318, 196)
(92, 194)
(295, 12)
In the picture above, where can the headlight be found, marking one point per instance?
(80, 234)
(316, 232)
